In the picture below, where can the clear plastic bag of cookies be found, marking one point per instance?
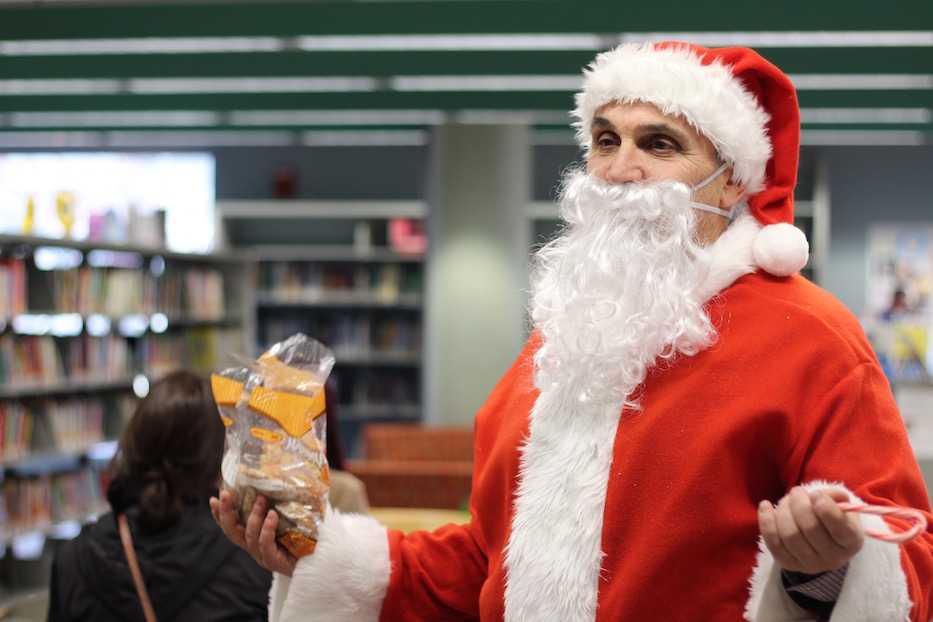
(273, 411)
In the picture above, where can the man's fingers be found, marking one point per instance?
(844, 528)
(274, 556)
(789, 531)
(254, 525)
(226, 518)
(808, 532)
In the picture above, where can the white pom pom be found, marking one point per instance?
(781, 249)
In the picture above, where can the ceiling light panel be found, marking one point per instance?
(141, 118)
(895, 39)
(155, 45)
(252, 85)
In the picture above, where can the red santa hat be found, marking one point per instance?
(745, 105)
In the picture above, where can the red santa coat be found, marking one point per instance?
(790, 394)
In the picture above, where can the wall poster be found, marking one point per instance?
(899, 321)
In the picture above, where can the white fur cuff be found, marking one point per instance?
(345, 579)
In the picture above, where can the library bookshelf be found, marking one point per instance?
(332, 270)
(84, 328)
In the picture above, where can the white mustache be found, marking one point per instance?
(648, 197)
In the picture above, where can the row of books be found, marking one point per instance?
(16, 424)
(198, 292)
(42, 359)
(35, 504)
(304, 281)
(70, 424)
(75, 423)
(12, 287)
(199, 348)
(28, 360)
(352, 336)
(384, 387)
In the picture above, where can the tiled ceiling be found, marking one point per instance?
(137, 73)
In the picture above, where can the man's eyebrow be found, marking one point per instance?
(664, 128)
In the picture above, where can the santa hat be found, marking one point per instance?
(745, 105)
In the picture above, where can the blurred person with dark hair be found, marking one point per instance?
(166, 467)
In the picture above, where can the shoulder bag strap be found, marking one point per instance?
(134, 568)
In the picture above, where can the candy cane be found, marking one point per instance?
(900, 537)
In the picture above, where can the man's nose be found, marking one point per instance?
(625, 166)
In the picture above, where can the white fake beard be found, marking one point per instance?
(615, 294)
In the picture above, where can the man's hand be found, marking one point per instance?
(808, 533)
(258, 536)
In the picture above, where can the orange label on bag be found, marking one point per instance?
(294, 412)
(226, 390)
(266, 435)
(297, 543)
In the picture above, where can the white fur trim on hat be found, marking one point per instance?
(707, 96)
(781, 249)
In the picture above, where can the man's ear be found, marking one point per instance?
(732, 192)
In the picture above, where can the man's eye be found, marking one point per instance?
(606, 140)
(661, 143)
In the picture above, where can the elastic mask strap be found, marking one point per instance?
(712, 176)
(726, 213)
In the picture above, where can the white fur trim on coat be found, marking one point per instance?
(875, 587)
(731, 256)
(707, 96)
(561, 498)
(344, 580)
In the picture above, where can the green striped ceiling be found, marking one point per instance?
(864, 70)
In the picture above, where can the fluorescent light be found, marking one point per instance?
(350, 43)
(509, 117)
(365, 138)
(154, 45)
(865, 115)
(57, 258)
(455, 42)
(889, 38)
(66, 325)
(32, 324)
(133, 325)
(21, 140)
(487, 83)
(98, 325)
(859, 82)
(157, 118)
(69, 86)
(336, 117)
(553, 138)
(158, 323)
(101, 258)
(252, 85)
(220, 138)
(860, 137)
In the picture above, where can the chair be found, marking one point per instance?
(415, 466)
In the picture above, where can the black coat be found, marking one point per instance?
(191, 570)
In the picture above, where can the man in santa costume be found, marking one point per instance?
(675, 439)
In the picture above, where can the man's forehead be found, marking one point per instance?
(643, 112)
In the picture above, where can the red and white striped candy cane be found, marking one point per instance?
(916, 517)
